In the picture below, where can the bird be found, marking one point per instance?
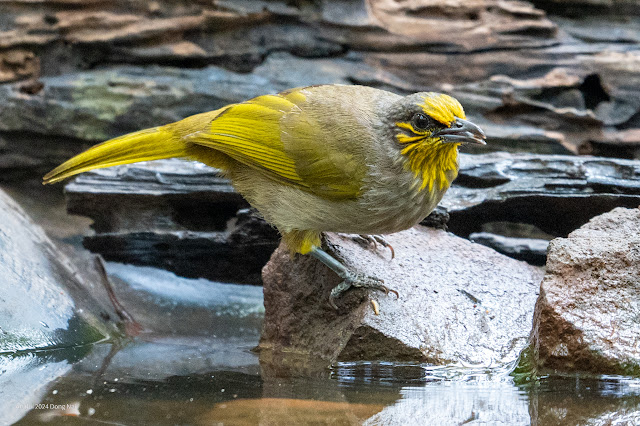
(327, 158)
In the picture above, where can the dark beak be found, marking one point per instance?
(462, 131)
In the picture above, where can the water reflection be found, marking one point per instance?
(24, 378)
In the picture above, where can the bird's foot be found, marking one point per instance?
(352, 279)
(374, 240)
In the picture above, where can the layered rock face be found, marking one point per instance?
(76, 73)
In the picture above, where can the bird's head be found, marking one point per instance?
(429, 128)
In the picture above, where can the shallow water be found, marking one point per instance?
(194, 364)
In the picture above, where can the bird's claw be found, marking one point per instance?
(358, 280)
(375, 240)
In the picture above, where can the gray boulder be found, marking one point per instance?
(459, 302)
(586, 317)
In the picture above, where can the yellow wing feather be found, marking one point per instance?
(250, 133)
(273, 134)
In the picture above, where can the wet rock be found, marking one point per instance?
(459, 303)
(531, 250)
(45, 302)
(586, 318)
(49, 312)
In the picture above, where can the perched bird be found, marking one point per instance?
(337, 158)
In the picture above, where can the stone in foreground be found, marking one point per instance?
(45, 302)
(587, 316)
(459, 302)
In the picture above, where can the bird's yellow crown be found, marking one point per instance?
(442, 108)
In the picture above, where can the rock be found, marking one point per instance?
(45, 302)
(169, 194)
(537, 83)
(586, 317)
(166, 213)
(98, 105)
(50, 312)
(459, 303)
(438, 218)
(25, 378)
(429, 25)
(621, 144)
(608, 8)
(176, 215)
(521, 138)
(531, 250)
(18, 64)
(239, 252)
(555, 193)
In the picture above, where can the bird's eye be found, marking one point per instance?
(420, 121)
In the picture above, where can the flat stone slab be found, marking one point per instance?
(459, 302)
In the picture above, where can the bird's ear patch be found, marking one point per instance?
(442, 108)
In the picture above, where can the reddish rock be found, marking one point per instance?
(587, 315)
(459, 302)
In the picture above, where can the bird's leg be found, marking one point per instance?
(350, 279)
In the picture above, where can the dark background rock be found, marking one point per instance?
(235, 255)
(172, 213)
(531, 250)
(586, 318)
(557, 194)
(459, 303)
(176, 215)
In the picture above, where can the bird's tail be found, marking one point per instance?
(145, 145)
